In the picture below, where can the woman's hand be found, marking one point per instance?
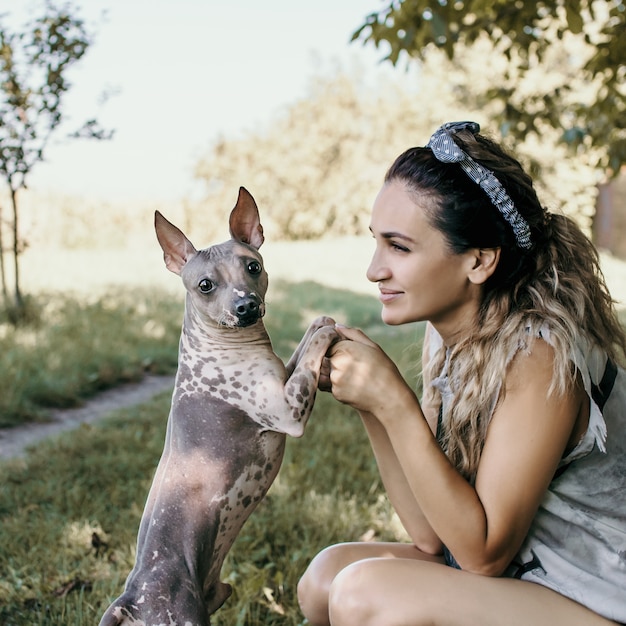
(363, 376)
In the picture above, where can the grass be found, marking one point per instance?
(79, 346)
(92, 483)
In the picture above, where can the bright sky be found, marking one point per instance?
(183, 73)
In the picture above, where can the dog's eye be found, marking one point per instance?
(205, 285)
(254, 267)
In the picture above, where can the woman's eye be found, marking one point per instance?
(254, 267)
(400, 248)
(205, 285)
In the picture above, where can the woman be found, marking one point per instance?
(510, 474)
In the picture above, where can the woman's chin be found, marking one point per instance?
(391, 319)
(397, 318)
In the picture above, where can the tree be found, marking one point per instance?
(342, 136)
(585, 100)
(338, 140)
(33, 81)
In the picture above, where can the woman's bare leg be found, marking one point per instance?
(415, 592)
(314, 586)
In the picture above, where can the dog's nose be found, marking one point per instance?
(248, 310)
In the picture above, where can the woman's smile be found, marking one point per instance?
(387, 296)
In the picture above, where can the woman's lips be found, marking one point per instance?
(388, 295)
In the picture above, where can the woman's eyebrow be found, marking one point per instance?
(394, 235)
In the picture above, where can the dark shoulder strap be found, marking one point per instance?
(601, 392)
(440, 423)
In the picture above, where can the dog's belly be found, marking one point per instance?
(216, 467)
(245, 493)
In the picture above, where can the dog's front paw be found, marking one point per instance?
(326, 335)
(320, 322)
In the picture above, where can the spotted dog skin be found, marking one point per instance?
(233, 403)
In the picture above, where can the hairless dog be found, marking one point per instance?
(233, 402)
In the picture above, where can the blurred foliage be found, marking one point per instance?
(582, 96)
(316, 168)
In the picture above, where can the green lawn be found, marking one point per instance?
(79, 346)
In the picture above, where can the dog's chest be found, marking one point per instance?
(245, 379)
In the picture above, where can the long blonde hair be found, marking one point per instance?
(557, 285)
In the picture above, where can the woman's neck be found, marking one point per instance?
(454, 329)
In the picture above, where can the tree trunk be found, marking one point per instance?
(3, 276)
(19, 301)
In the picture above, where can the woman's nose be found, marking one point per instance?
(377, 270)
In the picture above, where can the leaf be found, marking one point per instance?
(273, 605)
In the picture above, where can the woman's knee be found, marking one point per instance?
(314, 585)
(386, 591)
(353, 597)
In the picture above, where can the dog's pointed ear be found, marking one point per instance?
(245, 223)
(177, 249)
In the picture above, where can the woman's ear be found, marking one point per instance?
(485, 263)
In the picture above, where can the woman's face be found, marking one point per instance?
(419, 278)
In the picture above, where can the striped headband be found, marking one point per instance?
(446, 150)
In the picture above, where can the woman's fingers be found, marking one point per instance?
(323, 382)
(354, 334)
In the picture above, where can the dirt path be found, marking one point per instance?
(15, 441)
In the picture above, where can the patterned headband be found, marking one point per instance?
(446, 150)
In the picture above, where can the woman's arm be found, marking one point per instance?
(398, 489)
(483, 526)
(394, 479)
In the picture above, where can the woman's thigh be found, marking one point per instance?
(314, 586)
(410, 592)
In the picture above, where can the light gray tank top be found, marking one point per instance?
(576, 544)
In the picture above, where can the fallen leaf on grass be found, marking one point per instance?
(274, 606)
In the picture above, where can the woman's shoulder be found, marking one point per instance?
(534, 360)
(603, 381)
